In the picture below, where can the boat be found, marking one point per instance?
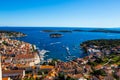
(68, 50)
(42, 52)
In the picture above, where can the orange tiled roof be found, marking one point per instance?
(24, 56)
(6, 78)
(98, 66)
(12, 71)
(78, 76)
(75, 76)
(46, 67)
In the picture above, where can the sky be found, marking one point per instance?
(60, 13)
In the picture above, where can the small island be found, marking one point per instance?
(55, 35)
(10, 34)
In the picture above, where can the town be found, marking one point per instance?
(21, 61)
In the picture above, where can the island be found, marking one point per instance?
(48, 31)
(104, 31)
(11, 34)
(78, 30)
(55, 35)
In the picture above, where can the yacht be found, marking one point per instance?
(68, 50)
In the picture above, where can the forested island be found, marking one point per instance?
(104, 31)
(11, 34)
(48, 31)
(78, 30)
(55, 35)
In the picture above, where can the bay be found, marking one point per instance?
(57, 46)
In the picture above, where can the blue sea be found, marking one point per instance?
(57, 46)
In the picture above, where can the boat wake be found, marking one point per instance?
(111, 35)
(55, 43)
(69, 57)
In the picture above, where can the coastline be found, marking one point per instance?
(85, 67)
(34, 36)
(97, 65)
(11, 34)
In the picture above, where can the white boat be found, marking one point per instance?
(42, 52)
(68, 50)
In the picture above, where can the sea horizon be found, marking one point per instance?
(66, 26)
